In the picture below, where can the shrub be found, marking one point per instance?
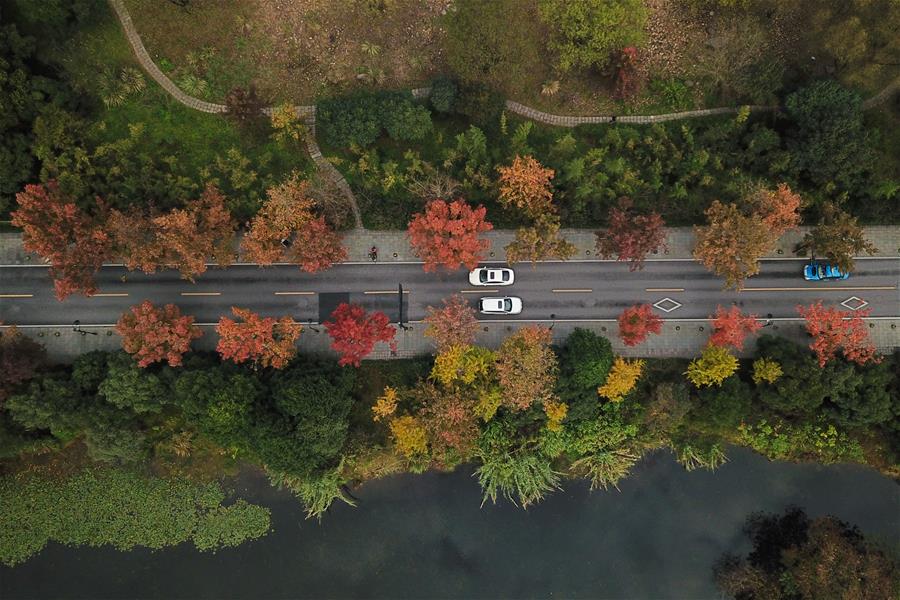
(526, 476)
(359, 119)
(405, 121)
(480, 103)
(829, 141)
(588, 32)
(443, 95)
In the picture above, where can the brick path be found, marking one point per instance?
(394, 246)
(329, 170)
(573, 121)
(679, 338)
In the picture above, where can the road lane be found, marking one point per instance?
(554, 290)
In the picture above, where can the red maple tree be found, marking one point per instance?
(628, 80)
(631, 237)
(453, 325)
(20, 359)
(154, 334)
(264, 341)
(354, 332)
(446, 235)
(637, 322)
(836, 330)
(317, 246)
(730, 327)
(72, 241)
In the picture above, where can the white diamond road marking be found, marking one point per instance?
(858, 303)
(667, 305)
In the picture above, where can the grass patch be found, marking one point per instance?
(203, 144)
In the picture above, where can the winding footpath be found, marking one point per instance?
(308, 112)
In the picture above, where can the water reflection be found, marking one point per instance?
(425, 536)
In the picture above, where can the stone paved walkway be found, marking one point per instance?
(679, 338)
(394, 245)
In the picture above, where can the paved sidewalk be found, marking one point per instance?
(679, 338)
(394, 245)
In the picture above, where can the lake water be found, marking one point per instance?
(425, 536)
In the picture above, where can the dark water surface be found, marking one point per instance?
(425, 536)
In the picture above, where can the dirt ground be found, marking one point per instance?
(298, 49)
(302, 50)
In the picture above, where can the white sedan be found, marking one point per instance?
(487, 276)
(509, 305)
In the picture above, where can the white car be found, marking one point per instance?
(508, 305)
(484, 276)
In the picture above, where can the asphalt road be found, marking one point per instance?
(574, 290)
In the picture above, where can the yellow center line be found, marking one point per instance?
(385, 292)
(16, 295)
(479, 291)
(109, 295)
(573, 291)
(820, 289)
(201, 293)
(663, 289)
(294, 293)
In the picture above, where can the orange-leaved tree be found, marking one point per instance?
(736, 237)
(779, 209)
(527, 368)
(135, 239)
(155, 334)
(264, 341)
(836, 330)
(286, 209)
(637, 322)
(73, 242)
(525, 185)
(201, 231)
(731, 243)
(446, 235)
(288, 214)
(354, 332)
(452, 325)
(631, 236)
(731, 328)
(184, 238)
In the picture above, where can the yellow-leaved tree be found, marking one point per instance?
(385, 404)
(714, 366)
(286, 124)
(622, 378)
(766, 369)
(409, 437)
(556, 412)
